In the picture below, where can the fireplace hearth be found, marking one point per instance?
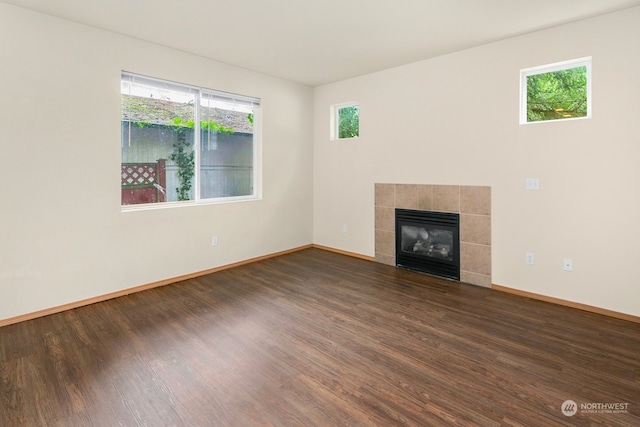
(428, 242)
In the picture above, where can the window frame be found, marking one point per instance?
(550, 68)
(335, 120)
(201, 94)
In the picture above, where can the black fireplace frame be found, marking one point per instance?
(449, 269)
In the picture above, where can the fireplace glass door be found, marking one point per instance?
(429, 242)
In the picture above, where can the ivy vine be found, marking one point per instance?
(183, 154)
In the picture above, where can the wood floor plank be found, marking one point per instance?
(315, 338)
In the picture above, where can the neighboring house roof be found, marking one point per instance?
(163, 112)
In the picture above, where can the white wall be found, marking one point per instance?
(63, 237)
(454, 120)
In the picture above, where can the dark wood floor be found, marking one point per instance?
(315, 338)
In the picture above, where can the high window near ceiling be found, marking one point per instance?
(185, 144)
(559, 91)
(345, 121)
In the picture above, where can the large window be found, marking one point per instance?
(556, 92)
(182, 143)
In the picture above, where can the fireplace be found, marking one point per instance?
(429, 242)
(472, 202)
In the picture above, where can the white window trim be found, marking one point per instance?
(549, 68)
(334, 120)
(257, 166)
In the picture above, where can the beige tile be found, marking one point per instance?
(385, 243)
(407, 196)
(475, 279)
(446, 198)
(475, 200)
(475, 258)
(475, 226)
(475, 229)
(425, 197)
(385, 195)
(385, 219)
(386, 259)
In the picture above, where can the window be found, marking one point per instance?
(345, 121)
(556, 92)
(164, 122)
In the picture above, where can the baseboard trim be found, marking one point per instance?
(128, 291)
(580, 306)
(558, 301)
(340, 251)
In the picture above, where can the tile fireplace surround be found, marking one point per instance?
(473, 203)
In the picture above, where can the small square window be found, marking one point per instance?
(345, 121)
(556, 92)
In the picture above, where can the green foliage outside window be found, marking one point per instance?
(556, 95)
(183, 154)
(349, 122)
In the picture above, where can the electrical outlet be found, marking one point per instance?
(568, 264)
(530, 258)
(532, 184)
(214, 241)
(345, 228)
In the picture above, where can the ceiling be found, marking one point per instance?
(315, 42)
